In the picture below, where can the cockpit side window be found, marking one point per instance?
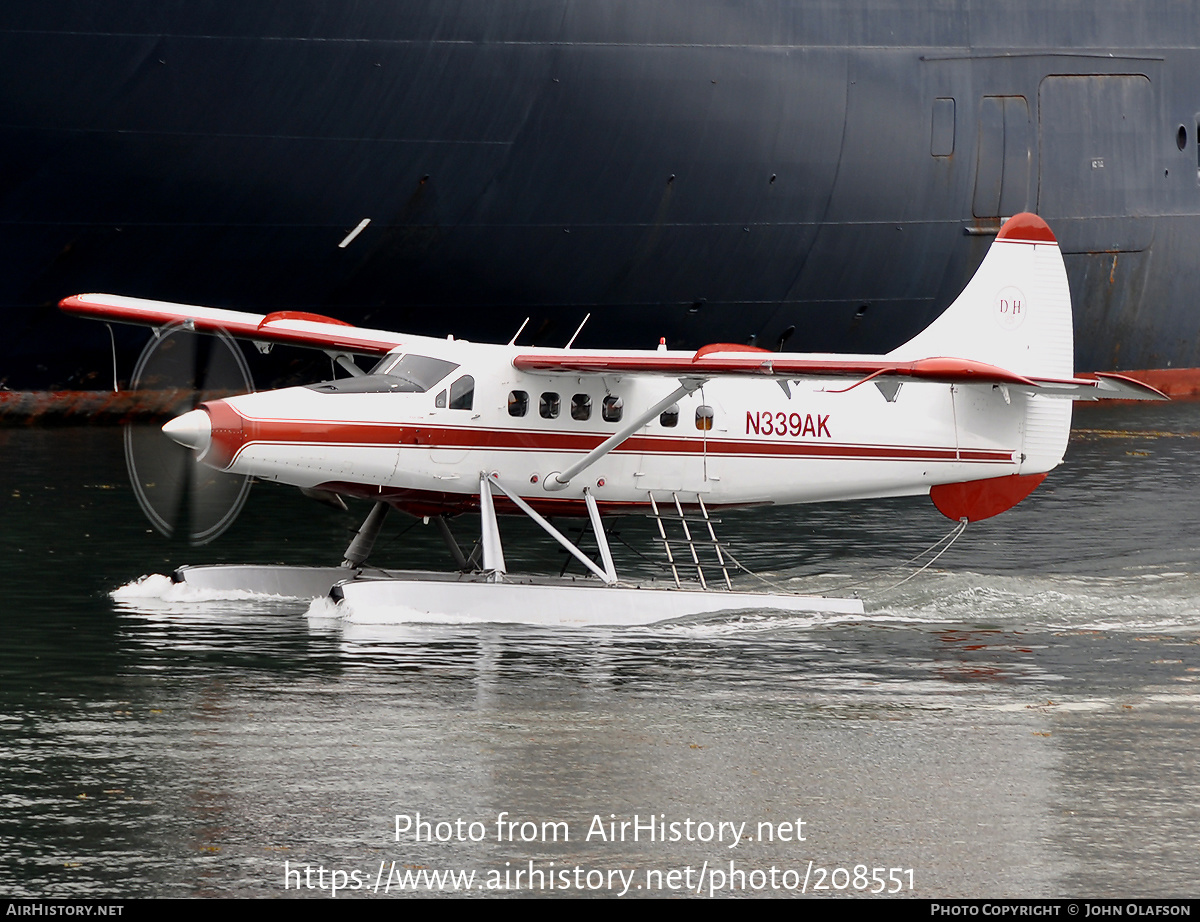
(462, 393)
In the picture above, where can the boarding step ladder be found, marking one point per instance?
(688, 540)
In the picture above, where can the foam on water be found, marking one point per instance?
(1135, 602)
(159, 594)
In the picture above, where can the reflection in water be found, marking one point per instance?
(997, 723)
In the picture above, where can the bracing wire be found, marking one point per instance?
(944, 543)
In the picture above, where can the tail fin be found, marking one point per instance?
(1015, 312)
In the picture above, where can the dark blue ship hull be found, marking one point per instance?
(825, 173)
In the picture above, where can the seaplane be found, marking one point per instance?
(974, 411)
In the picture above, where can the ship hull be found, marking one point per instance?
(822, 174)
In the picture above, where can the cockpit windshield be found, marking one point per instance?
(414, 374)
(421, 370)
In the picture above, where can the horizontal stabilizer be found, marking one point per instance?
(1111, 386)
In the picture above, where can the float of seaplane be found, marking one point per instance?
(974, 411)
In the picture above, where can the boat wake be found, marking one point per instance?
(1166, 600)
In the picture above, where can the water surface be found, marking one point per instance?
(1018, 720)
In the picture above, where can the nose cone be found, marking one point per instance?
(191, 430)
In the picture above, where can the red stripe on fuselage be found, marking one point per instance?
(344, 433)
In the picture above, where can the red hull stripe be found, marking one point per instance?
(1172, 382)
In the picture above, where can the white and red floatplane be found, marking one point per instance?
(974, 410)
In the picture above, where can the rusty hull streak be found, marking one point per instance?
(1176, 383)
(30, 408)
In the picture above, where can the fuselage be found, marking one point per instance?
(822, 174)
(730, 442)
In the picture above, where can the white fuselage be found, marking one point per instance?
(763, 446)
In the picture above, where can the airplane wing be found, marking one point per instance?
(298, 328)
(294, 328)
(721, 360)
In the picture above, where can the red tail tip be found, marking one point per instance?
(1026, 228)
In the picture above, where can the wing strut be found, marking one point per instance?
(557, 481)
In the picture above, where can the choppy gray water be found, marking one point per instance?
(1020, 720)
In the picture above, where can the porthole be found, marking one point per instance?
(704, 418)
(548, 406)
(612, 408)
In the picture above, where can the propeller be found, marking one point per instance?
(176, 492)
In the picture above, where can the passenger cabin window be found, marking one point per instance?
(462, 393)
(548, 406)
(581, 407)
(704, 418)
(670, 417)
(612, 409)
(518, 403)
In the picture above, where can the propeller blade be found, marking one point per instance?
(214, 501)
(175, 491)
(159, 475)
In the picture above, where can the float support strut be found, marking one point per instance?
(360, 548)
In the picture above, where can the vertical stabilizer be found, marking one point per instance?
(1015, 312)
